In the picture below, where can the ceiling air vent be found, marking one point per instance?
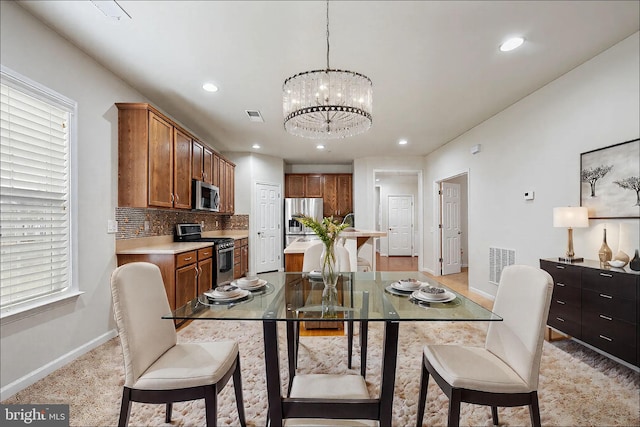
(254, 116)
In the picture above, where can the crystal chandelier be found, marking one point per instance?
(327, 104)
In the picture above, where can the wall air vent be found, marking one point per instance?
(499, 259)
(254, 115)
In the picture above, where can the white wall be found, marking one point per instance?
(535, 145)
(397, 186)
(252, 168)
(34, 346)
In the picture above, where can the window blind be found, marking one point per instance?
(35, 239)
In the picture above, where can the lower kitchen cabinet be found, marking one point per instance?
(241, 258)
(185, 275)
(597, 306)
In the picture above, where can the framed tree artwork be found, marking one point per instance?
(610, 181)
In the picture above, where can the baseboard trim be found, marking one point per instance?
(482, 293)
(34, 376)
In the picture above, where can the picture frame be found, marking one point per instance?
(610, 181)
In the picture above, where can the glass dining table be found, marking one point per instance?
(363, 297)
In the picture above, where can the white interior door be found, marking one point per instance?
(268, 247)
(451, 230)
(400, 225)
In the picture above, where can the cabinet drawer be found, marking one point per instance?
(564, 324)
(205, 253)
(609, 305)
(243, 242)
(186, 258)
(565, 274)
(610, 283)
(615, 337)
(568, 295)
(564, 313)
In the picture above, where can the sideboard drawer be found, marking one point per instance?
(616, 337)
(610, 283)
(610, 305)
(562, 273)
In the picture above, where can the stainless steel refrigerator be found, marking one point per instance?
(300, 206)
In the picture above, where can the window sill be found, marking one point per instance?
(22, 311)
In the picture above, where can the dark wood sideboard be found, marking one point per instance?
(597, 306)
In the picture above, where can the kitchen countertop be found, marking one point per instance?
(299, 245)
(164, 245)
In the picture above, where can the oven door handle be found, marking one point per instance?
(225, 250)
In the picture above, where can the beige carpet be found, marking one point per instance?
(578, 387)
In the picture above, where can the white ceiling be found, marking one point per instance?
(435, 65)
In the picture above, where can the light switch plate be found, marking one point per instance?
(112, 226)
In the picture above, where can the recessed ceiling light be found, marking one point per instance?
(511, 44)
(320, 147)
(256, 146)
(210, 87)
(402, 142)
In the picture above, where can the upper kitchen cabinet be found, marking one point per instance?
(337, 195)
(303, 185)
(154, 159)
(202, 163)
(226, 179)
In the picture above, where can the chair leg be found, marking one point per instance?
(211, 405)
(349, 342)
(534, 410)
(237, 386)
(454, 407)
(167, 417)
(125, 407)
(494, 415)
(422, 400)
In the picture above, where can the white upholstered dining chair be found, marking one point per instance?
(505, 371)
(157, 368)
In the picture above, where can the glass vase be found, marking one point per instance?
(605, 253)
(329, 269)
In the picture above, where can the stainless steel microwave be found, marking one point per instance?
(205, 197)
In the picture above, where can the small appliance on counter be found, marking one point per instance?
(222, 250)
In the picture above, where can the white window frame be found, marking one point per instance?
(39, 304)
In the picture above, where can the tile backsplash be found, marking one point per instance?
(134, 223)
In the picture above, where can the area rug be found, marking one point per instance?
(578, 387)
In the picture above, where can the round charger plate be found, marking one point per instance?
(205, 300)
(405, 286)
(423, 297)
(398, 292)
(435, 304)
(241, 294)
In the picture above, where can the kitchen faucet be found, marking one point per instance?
(344, 220)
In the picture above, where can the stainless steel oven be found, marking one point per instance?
(222, 250)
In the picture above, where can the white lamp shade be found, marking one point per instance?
(570, 217)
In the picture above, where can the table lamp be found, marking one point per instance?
(570, 217)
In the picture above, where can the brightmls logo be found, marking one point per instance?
(34, 415)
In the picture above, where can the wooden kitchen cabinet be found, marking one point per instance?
(157, 159)
(240, 258)
(154, 159)
(185, 275)
(227, 186)
(202, 163)
(303, 185)
(337, 199)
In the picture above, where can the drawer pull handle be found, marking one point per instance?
(560, 319)
(561, 284)
(602, 316)
(560, 302)
(606, 296)
(606, 338)
(560, 267)
(606, 275)
(188, 259)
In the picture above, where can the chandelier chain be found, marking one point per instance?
(328, 68)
